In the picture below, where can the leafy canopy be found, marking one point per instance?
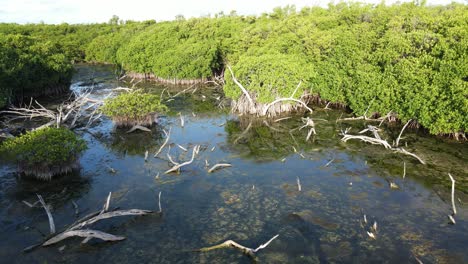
(47, 146)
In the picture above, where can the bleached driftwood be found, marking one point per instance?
(234, 244)
(182, 148)
(453, 194)
(299, 187)
(159, 202)
(404, 151)
(401, 132)
(375, 131)
(109, 215)
(281, 119)
(377, 140)
(178, 166)
(168, 135)
(87, 233)
(49, 214)
(371, 140)
(219, 166)
(138, 127)
(170, 158)
(182, 122)
(106, 205)
(246, 93)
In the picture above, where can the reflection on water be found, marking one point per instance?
(250, 202)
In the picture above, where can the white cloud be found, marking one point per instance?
(90, 11)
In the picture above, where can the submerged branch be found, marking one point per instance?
(219, 166)
(49, 214)
(234, 244)
(88, 233)
(178, 166)
(168, 135)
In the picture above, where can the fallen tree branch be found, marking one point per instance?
(403, 151)
(138, 127)
(49, 214)
(219, 166)
(159, 202)
(234, 244)
(401, 132)
(168, 135)
(371, 140)
(453, 194)
(82, 233)
(109, 215)
(176, 167)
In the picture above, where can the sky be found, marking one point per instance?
(97, 11)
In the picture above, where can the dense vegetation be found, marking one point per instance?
(29, 67)
(128, 109)
(44, 152)
(408, 58)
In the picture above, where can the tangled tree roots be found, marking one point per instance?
(175, 81)
(46, 172)
(244, 107)
(127, 121)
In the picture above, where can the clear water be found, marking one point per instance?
(250, 202)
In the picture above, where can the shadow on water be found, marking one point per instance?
(255, 199)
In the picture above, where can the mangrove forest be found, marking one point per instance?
(333, 134)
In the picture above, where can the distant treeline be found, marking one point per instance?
(409, 58)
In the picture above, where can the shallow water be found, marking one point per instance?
(251, 201)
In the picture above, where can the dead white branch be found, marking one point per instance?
(245, 250)
(182, 122)
(109, 215)
(106, 205)
(83, 233)
(403, 151)
(168, 135)
(371, 140)
(404, 170)
(138, 127)
(299, 187)
(182, 148)
(49, 214)
(453, 194)
(176, 167)
(219, 166)
(159, 202)
(401, 132)
(246, 93)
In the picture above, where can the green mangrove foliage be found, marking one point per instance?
(407, 58)
(129, 109)
(44, 153)
(29, 67)
(269, 76)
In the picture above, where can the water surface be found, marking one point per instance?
(250, 202)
